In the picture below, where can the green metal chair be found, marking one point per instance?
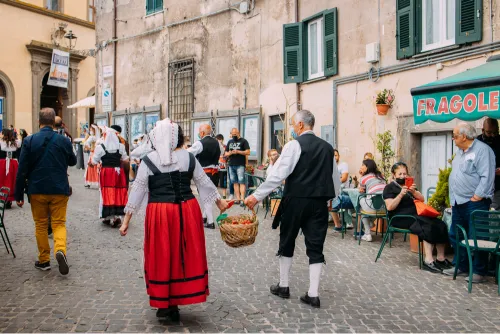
(256, 182)
(378, 205)
(4, 194)
(273, 196)
(430, 191)
(390, 234)
(485, 237)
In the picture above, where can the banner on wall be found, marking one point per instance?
(59, 68)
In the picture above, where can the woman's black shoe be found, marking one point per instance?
(174, 315)
(432, 267)
(277, 290)
(106, 222)
(162, 313)
(8, 205)
(443, 264)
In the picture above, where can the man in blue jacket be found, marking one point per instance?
(45, 157)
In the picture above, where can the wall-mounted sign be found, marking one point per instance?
(59, 68)
(106, 100)
(107, 71)
(250, 131)
(327, 133)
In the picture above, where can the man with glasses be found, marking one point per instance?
(471, 185)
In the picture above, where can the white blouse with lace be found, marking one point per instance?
(9, 148)
(138, 197)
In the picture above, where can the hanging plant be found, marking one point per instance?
(384, 101)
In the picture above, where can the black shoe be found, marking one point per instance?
(279, 291)
(174, 314)
(313, 301)
(8, 205)
(205, 222)
(63, 263)
(210, 226)
(42, 266)
(432, 267)
(116, 222)
(106, 222)
(87, 186)
(162, 313)
(443, 264)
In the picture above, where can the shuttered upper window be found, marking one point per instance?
(153, 6)
(310, 48)
(424, 25)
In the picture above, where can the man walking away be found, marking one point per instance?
(471, 185)
(207, 151)
(237, 150)
(44, 161)
(309, 168)
(61, 129)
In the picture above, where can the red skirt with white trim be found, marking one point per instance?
(9, 179)
(175, 260)
(114, 192)
(91, 174)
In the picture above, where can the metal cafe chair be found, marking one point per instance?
(4, 194)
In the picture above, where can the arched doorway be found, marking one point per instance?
(53, 97)
(7, 99)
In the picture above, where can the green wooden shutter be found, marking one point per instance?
(150, 6)
(159, 5)
(405, 28)
(469, 18)
(292, 53)
(330, 42)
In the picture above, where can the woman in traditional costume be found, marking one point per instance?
(8, 163)
(91, 172)
(175, 262)
(112, 178)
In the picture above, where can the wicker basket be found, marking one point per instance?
(239, 235)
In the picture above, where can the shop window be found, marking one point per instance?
(55, 5)
(91, 11)
(425, 25)
(310, 47)
(154, 6)
(277, 132)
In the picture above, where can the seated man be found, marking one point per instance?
(342, 201)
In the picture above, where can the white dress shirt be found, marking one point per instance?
(285, 165)
(197, 148)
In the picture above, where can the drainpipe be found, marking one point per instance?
(114, 57)
(491, 19)
(297, 85)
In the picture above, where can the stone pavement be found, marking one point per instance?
(105, 289)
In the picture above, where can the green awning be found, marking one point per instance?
(468, 96)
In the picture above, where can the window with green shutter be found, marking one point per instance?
(310, 48)
(153, 6)
(425, 25)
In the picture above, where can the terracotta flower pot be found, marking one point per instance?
(382, 109)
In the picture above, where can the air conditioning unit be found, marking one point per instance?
(372, 52)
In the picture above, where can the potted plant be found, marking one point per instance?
(384, 101)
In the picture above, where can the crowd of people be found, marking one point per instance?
(160, 169)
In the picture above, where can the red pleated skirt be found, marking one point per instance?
(175, 264)
(91, 174)
(113, 192)
(9, 180)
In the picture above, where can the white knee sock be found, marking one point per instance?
(314, 275)
(366, 224)
(209, 213)
(285, 265)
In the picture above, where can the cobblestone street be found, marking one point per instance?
(105, 289)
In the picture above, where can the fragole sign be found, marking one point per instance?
(467, 105)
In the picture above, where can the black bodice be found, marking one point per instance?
(111, 159)
(173, 187)
(4, 154)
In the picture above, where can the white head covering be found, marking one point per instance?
(143, 149)
(111, 141)
(164, 138)
(97, 131)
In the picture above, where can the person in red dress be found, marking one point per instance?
(91, 172)
(175, 261)
(8, 163)
(112, 179)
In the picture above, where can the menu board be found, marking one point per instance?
(225, 125)
(251, 133)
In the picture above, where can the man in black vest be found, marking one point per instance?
(207, 151)
(307, 165)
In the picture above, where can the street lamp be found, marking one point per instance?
(70, 36)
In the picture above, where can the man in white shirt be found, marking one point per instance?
(309, 168)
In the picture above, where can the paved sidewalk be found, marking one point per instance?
(105, 289)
